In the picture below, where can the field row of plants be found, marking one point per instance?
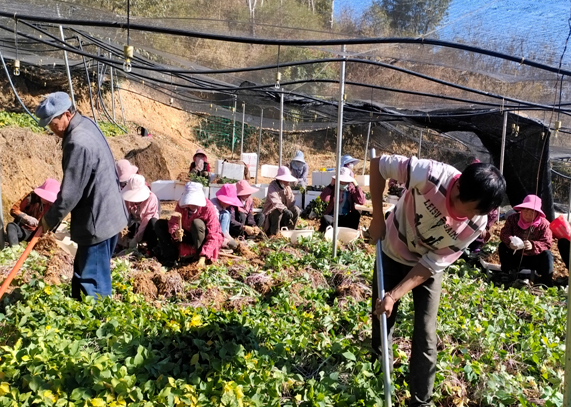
(25, 121)
(287, 327)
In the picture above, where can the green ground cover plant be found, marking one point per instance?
(299, 341)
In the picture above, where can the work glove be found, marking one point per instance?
(288, 213)
(30, 221)
(133, 243)
(179, 234)
(516, 243)
(201, 262)
(249, 230)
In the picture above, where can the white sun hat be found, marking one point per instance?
(193, 195)
(345, 175)
(136, 190)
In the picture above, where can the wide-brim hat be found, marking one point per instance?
(136, 190)
(193, 195)
(227, 195)
(125, 170)
(284, 174)
(299, 156)
(200, 151)
(244, 188)
(48, 190)
(344, 175)
(532, 202)
(52, 106)
(347, 159)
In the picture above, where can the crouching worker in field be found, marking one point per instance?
(350, 194)
(279, 208)
(243, 221)
(143, 208)
(441, 212)
(200, 237)
(28, 210)
(225, 202)
(529, 225)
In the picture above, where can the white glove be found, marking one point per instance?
(516, 243)
(31, 221)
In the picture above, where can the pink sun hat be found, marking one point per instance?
(48, 190)
(125, 170)
(227, 194)
(284, 174)
(244, 188)
(136, 190)
(531, 202)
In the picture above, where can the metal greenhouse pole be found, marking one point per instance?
(503, 150)
(281, 125)
(366, 150)
(259, 145)
(567, 378)
(66, 62)
(243, 121)
(234, 124)
(339, 147)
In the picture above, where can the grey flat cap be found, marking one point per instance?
(52, 106)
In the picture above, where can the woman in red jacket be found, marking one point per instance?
(528, 224)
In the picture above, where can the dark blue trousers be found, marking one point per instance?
(92, 269)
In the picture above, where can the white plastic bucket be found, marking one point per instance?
(344, 235)
(295, 235)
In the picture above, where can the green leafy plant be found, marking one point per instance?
(109, 129)
(20, 120)
(300, 340)
(201, 180)
(224, 180)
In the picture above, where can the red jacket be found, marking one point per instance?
(214, 237)
(540, 237)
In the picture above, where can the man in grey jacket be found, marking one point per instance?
(89, 190)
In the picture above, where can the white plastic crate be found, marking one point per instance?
(269, 171)
(219, 166)
(316, 178)
(362, 180)
(298, 198)
(178, 189)
(251, 160)
(263, 191)
(326, 177)
(214, 189)
(164, 190)
(233, 171)
(310, 196)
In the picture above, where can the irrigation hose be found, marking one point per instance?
(21, 261)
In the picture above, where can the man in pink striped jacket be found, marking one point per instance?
(440, 213)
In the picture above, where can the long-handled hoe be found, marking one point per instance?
(21, 260)
(384, 330)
